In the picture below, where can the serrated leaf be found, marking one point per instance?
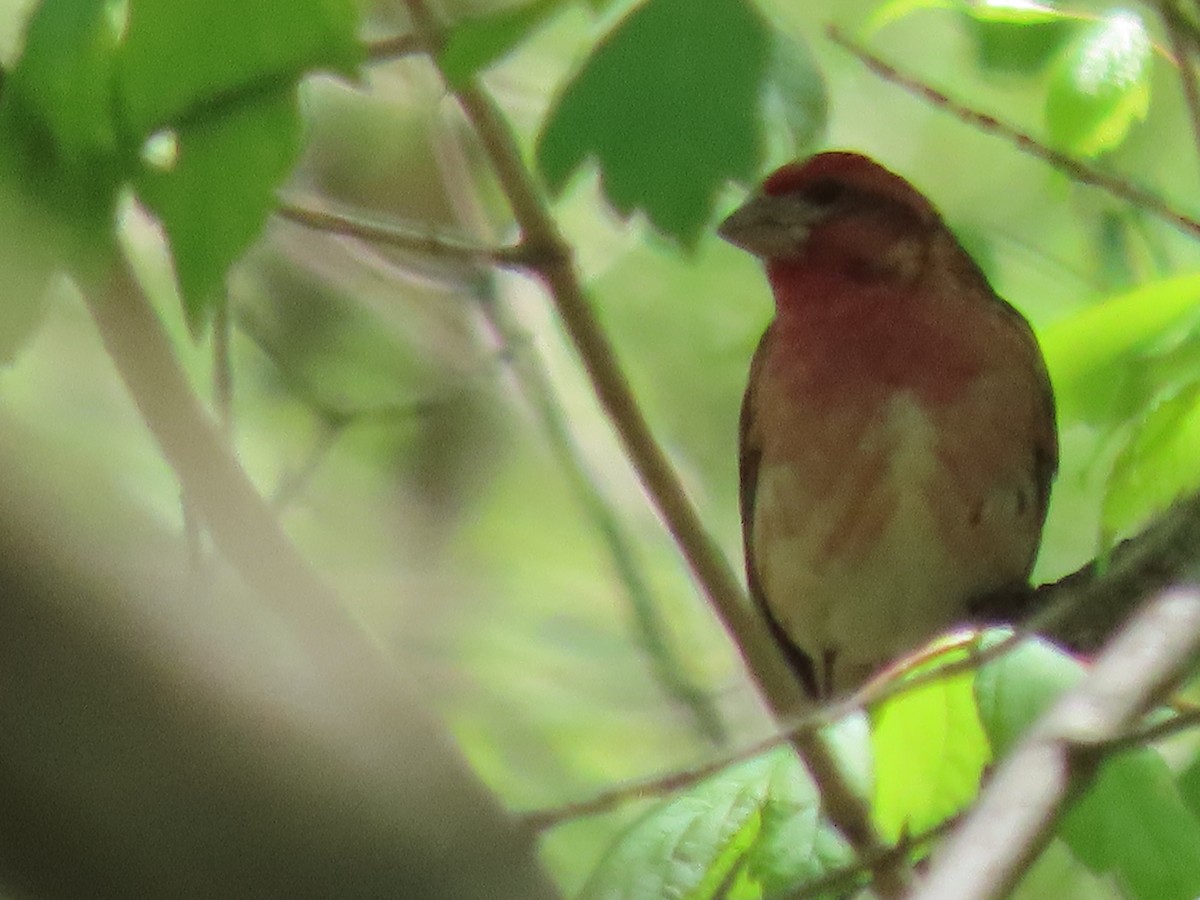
(1157, 465)
(752, 830)
(215, 198)
(1092, 354)
(188, 58)
(1101, 85)
(668, 107)
(1132, 821)
(930, 752)
(476, 43)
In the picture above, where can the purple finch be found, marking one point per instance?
(897, 434)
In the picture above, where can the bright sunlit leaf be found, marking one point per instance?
(930, 752)
(1101, 85)
(1131, 822)
(1094, 355)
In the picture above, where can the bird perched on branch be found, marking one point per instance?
(897, 434)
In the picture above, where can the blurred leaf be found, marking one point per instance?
(65, 77)
(219, 78)
(668, 105)
(60, 159)
(893, 11)
(1189, 785)
(1101, 85)
(1157, 465)
(1091, 354)
(1059, 874)
(217, 194)
(1017, 36)
(476, 43)
(930, 752)
(750, 831)
(1015, 689)
(796, 89)
(193, 58)
(1132, 821)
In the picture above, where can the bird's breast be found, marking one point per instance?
(883, 504)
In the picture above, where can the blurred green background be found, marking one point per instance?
(377, 402)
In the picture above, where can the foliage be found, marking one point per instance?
(659, 107)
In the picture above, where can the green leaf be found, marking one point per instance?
(65, 77)
(1157, 465)
(219, 78)
(215, 197)
(1101, 85)
(893, 11)
(1132, 822)
(191, 58)
(668, 106)
(1059, 874)
(1094, 356)
(1189, 785)
(1017, 36)
(60, 158)
(475, 44)
(1015, 689)
(751, 831)
(930, 752)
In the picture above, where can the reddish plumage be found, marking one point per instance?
(897, 435)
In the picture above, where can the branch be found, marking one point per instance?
(1178, 31)
(413, 239)
(395, 47)
(241, 523)
(1077, 170)
(1015, 816)
(553, 263)
(669, 662)
(1090, 604)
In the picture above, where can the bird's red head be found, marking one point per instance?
(836, 186)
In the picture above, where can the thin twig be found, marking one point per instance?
(242, 525)
(1015, 815)
(394, 47)
(518, 351)
(399, 236)
(553, 263)
(1079, 171)
(842, 881)
(1159, 731)
(223, 367)
(1177, 30)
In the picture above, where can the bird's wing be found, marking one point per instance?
(749, 459)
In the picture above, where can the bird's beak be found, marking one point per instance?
(771, 227)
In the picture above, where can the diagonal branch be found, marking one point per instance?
(556, 269)
(1015, 816)
(392, 235)
(1077, 170)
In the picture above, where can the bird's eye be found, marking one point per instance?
(825, 192)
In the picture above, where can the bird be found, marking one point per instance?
(898, 435)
